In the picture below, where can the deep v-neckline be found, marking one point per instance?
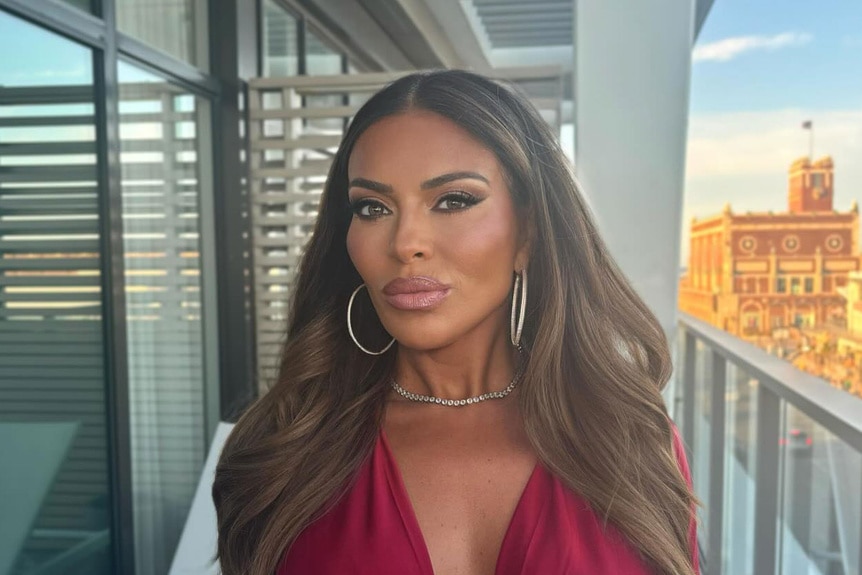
(411, 522)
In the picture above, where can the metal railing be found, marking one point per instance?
(776, 456)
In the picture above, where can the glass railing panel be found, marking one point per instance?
(740, 452)
(820, 507)
(701, 443)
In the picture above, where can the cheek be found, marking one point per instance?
(366, 246)
(357, 249)
(484, 249)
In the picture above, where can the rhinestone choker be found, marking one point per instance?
(457, 402)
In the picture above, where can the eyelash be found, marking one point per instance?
(469, 200)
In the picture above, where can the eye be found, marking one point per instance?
(369, 209)
(456, 201)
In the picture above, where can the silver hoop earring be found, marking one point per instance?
(350, 327)
(517, 327)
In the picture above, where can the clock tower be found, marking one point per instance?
(810, 185)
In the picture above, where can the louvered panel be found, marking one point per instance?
(24, 122)
(525, 24)
(51, 262)
(47, 149)
(48, 173)
(77, 205)
(295, 125)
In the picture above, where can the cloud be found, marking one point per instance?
(750, 143)
(730, 48)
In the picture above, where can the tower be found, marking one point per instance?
(810, 185)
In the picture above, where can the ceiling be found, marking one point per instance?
(519, 23)
(536, 23)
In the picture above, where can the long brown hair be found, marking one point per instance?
(597, 357)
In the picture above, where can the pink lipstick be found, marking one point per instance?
(415, 293)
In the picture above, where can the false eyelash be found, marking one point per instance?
(468, 199)
(356, 207)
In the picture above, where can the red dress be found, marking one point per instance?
(373, 531)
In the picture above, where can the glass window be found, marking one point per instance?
(781, 286)
(178, 27)
(165, 145)
(816, 180)
(280, 41)
(809, 285)
(321, 59)
(54, 498)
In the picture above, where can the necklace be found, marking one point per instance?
(457, 402)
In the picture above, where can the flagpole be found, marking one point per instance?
(809, 125)
(811, 143)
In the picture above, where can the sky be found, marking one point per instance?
(759, 69)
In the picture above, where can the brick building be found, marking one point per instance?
(750, 273)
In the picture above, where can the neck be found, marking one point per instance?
(476, 364)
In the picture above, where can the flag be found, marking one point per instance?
(806, 125)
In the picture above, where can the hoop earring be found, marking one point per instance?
(350, 327)
(518, 327)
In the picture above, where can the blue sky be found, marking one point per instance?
(818, 66)
(760, 68)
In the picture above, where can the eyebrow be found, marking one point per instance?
(371, 185)
(426, 185)
(446, 178)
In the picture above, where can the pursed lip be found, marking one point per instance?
(415, 293)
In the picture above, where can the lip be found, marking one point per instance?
(415, 293)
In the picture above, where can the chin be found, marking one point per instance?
(424, 338)
(423, 343)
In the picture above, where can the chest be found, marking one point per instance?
(463, 496)
(375, 528)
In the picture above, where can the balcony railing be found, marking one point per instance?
(776, 457)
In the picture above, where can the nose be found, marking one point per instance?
(411, 238)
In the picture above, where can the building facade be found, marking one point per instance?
(751, 273)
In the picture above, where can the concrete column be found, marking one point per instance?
(632, 71)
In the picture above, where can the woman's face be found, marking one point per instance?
(435, 234)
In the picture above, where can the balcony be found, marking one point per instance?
(776, 457)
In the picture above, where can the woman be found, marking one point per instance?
(469, 385)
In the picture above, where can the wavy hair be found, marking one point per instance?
(597, 358)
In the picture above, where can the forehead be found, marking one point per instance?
(418, 145)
